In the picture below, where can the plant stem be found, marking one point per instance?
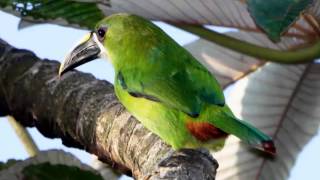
(24, 137)
(289, 56)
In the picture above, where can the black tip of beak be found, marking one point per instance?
(83, 53)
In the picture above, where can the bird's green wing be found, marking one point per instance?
(170, 91)
(186, 88)
(204, 84)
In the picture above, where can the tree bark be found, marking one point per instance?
(85, 113)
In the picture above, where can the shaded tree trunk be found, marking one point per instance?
(85, 113)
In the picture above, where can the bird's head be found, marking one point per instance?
(117, 34)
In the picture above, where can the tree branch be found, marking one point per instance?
(85, 113)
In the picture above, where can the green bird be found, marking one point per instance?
(163, 85)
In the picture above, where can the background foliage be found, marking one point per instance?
(281, 100)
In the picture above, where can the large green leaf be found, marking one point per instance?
(52, 164)
(86, 14)
(7, 164)
(51, 172)
(275, 16)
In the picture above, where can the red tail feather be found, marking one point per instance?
(269, 147)
(204, 131)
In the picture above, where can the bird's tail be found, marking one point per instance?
(246, 132)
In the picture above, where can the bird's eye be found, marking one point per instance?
(101, 32)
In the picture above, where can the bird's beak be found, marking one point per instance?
(87, 50)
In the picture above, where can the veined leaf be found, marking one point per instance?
(284, 102)
(275, 16)
(227, 13)
(62, 12)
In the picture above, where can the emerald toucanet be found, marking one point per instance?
(163, 85)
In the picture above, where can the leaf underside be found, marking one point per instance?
(284, 102)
